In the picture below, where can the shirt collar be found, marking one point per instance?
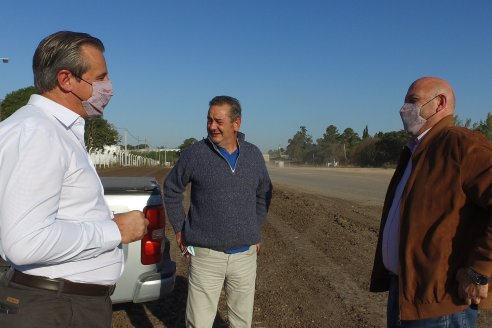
(222, 150)
(217, 147)
(63, 114)
(414, 142)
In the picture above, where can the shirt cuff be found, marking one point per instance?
(111, 234)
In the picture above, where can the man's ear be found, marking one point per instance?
(237, 124)
(64, 79)
(443, 102)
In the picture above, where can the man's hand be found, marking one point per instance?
(471, 293)
(182, 245)
(132, 225)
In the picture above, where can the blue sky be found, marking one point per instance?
(291, 63)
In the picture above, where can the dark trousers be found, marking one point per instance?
(25, 307)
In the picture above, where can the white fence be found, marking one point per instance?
(111, 156)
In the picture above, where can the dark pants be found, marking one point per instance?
(25, 307)
(462, 319)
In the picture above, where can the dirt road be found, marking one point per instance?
(313, 270)
(362, 185)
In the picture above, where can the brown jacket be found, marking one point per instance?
(445, 221)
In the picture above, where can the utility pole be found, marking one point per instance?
(126, 147)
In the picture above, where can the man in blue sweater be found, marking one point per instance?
(230, 197)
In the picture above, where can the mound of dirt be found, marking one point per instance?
(313, 270)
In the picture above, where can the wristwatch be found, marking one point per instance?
(477, 278)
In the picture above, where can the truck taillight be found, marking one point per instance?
(151, 250)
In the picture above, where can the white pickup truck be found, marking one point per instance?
(149, 273)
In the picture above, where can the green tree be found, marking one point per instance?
(331, 135)
(100, 133)
(329, 147)
(389, 146)
(349, 139)
(364, 154)
(485, 127)
(365, 133)
(15, 100)
(186, 143)
(459, 122)
(299, 148)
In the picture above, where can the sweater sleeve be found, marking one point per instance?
(174, 186)
(263, 194)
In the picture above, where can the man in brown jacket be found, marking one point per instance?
(434, 252)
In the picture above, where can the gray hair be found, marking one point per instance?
(61, 50)
(235, 112)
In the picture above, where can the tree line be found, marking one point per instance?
(347, 148)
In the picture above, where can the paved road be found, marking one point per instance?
(365, 186)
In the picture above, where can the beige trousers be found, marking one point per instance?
(209, 271)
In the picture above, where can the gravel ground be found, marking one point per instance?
(313, 270)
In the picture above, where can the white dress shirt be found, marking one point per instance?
(54, 220)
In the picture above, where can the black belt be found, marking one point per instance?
(61, 285)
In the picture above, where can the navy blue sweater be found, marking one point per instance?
(227, 207)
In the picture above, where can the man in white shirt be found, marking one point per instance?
(56, 228)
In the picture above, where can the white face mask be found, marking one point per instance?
(101, 94)
(410, 115)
